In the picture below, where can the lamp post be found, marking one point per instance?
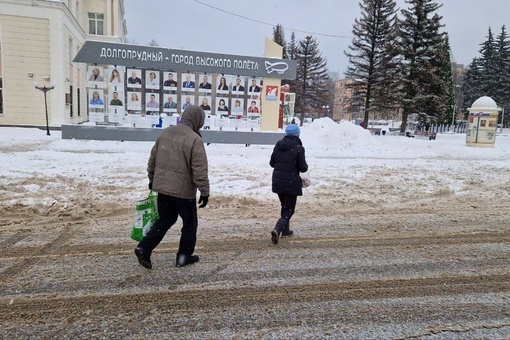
(456, 88)
(45, 89)
(502, 120)
(306, 82)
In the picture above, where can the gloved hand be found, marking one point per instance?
(150, 185)
(203, 201)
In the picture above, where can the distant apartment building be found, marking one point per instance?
(38, 41)
(348, 102)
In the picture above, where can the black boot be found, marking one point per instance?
(143, 259)
(183, 260)
(287, 232)
(279, 227)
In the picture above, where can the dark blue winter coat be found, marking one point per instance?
(288, 160)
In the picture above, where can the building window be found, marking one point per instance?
(96, 23)
(70, 101)
(1, 86)
(1, 98)
(78, 100)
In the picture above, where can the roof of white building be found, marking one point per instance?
(484, 103)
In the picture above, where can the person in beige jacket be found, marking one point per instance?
(177, 167)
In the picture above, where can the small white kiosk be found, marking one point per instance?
(483, 122)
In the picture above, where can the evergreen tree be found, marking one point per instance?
(312, 90)
(471, 86)
(445, 91)
(279, 38)
(488, 74)
(488, 63)
(501, 93)
(371, 62)
(421, 45)
(291, 49)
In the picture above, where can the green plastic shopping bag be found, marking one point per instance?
(146, 214)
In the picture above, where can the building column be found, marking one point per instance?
(270, 108)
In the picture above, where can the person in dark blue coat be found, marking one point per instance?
(288, 160)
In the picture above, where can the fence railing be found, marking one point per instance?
(440, 128)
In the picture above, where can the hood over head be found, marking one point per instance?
(194, 117)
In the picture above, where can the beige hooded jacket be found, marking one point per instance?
(178, 162)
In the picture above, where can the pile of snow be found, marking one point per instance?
(38, 169)
(327, 135)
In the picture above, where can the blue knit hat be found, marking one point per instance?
(292, 130)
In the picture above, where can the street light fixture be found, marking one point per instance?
(325, 110)
(45, 89)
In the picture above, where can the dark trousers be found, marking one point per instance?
(170, 208)
(288, 203)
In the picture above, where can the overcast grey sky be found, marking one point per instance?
(191, 25)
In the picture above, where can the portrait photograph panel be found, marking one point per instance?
(238, 85)
(187, 101)
(170, 103)
(96, 98)
(151, 79)
(115, 76)
(188, 82)
(96, 75)
(223, 84)
(152, 102)
(134, 100)
(237, 107)
(205, 103)
(170, 83)
(116, 97)
(222, 106)
(253, 107)
(205, 83)
(134, 78)
(254, 86)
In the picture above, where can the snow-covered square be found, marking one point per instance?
(396, 238)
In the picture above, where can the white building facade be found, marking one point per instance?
(38, 41)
